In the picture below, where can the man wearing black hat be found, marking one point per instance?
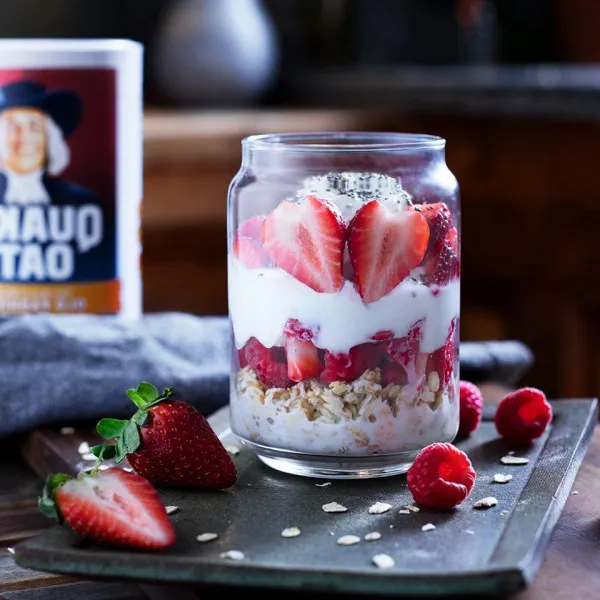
(34, 125)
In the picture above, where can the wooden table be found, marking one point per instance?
(571, 568)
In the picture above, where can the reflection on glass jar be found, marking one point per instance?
(344, 293)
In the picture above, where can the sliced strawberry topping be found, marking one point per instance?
(264, 363)
(296, 329)
(439, 219)
(441, 266)
(307, 240)
(250, 252)
(384, 247)
(302, 359)
(251, 228)
(442, 360)
(348, 367)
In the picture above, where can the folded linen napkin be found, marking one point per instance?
(62, 369)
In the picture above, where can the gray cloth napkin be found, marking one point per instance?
(69, 368)
(63, 369)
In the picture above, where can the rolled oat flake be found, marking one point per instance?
(334, 507)
(383, 561)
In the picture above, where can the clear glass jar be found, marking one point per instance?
(344, 297)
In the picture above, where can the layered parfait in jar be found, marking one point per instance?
(344, 309)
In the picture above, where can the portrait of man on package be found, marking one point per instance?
(35, 124)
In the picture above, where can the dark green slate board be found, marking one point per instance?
(501, 556)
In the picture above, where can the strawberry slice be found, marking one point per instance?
(111, 506)
(405, 352)
(251, 228)
(384, 248)
(439, 219)
(307, 240)
(250, 252)
(392, 372)
(302, 359)
(442, 266)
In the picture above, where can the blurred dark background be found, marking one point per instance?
(513, 85)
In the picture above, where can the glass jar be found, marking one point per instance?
(344, 297)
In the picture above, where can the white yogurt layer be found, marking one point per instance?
(415, 427)
(262, 300)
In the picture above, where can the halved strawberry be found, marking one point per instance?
(302, 359)
(442, 265)
(384, 248)
(111, 506)
(439, 219)
(250, 252)
(251, 228)
(392, 372)
(263, 361)
(307, 240)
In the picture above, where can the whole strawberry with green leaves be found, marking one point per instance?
(167, 441)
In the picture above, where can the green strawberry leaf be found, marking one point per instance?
(47, 502)
(137, 399)
(120, 450)
(111, 428)
(131, 437)
(147, 391)
(140, 417)
(104, 451)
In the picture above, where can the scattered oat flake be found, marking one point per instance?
(334, 507)
(391, 527)
(379, 508)
(323, 484)
(428, 527)
(511, 452)
(486, 502)
(404, 511)
(469, 531)
(331, 533)
(412, 508)
(504, 512)
(574, 493)
(89, 456)
(371, 537)
(290, 532)
(232, 450)
(509, 459)
(348, 540)
(84, 448)
(500, 478)
(383, 561)
(206, 537)
(171, 509)
(233, 555)
(67, 430)
(11, 550)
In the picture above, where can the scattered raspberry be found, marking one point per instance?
(523, 415)
(471, 407)
(441, 476)
(269, 370)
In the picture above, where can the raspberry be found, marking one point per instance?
(471, 407)
(441, 476)
(523, 415)
(265, 364)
